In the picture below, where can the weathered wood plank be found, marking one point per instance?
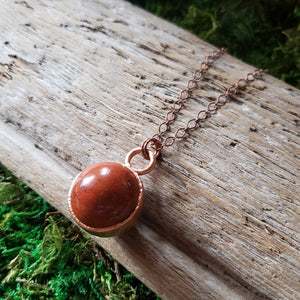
(87, 81)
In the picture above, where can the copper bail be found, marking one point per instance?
(146, 170)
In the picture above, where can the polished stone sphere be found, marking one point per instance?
(106, 198)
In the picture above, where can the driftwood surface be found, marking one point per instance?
(86, 81)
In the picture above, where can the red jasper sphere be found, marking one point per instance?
(106, 198)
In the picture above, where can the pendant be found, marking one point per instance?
(106, 199)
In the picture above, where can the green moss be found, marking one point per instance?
(43, 256)
(264, 33)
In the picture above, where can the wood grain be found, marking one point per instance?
(87, 81)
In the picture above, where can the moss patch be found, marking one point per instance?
(265, 34)
(43, 256)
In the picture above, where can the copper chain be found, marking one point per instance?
(158, 141)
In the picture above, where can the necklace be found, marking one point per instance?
(107, 198)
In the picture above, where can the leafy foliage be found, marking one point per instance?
(263, 33)
(43, 256)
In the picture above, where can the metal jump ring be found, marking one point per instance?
(155, 144)
(144, 171)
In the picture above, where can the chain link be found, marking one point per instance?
(158, 141)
